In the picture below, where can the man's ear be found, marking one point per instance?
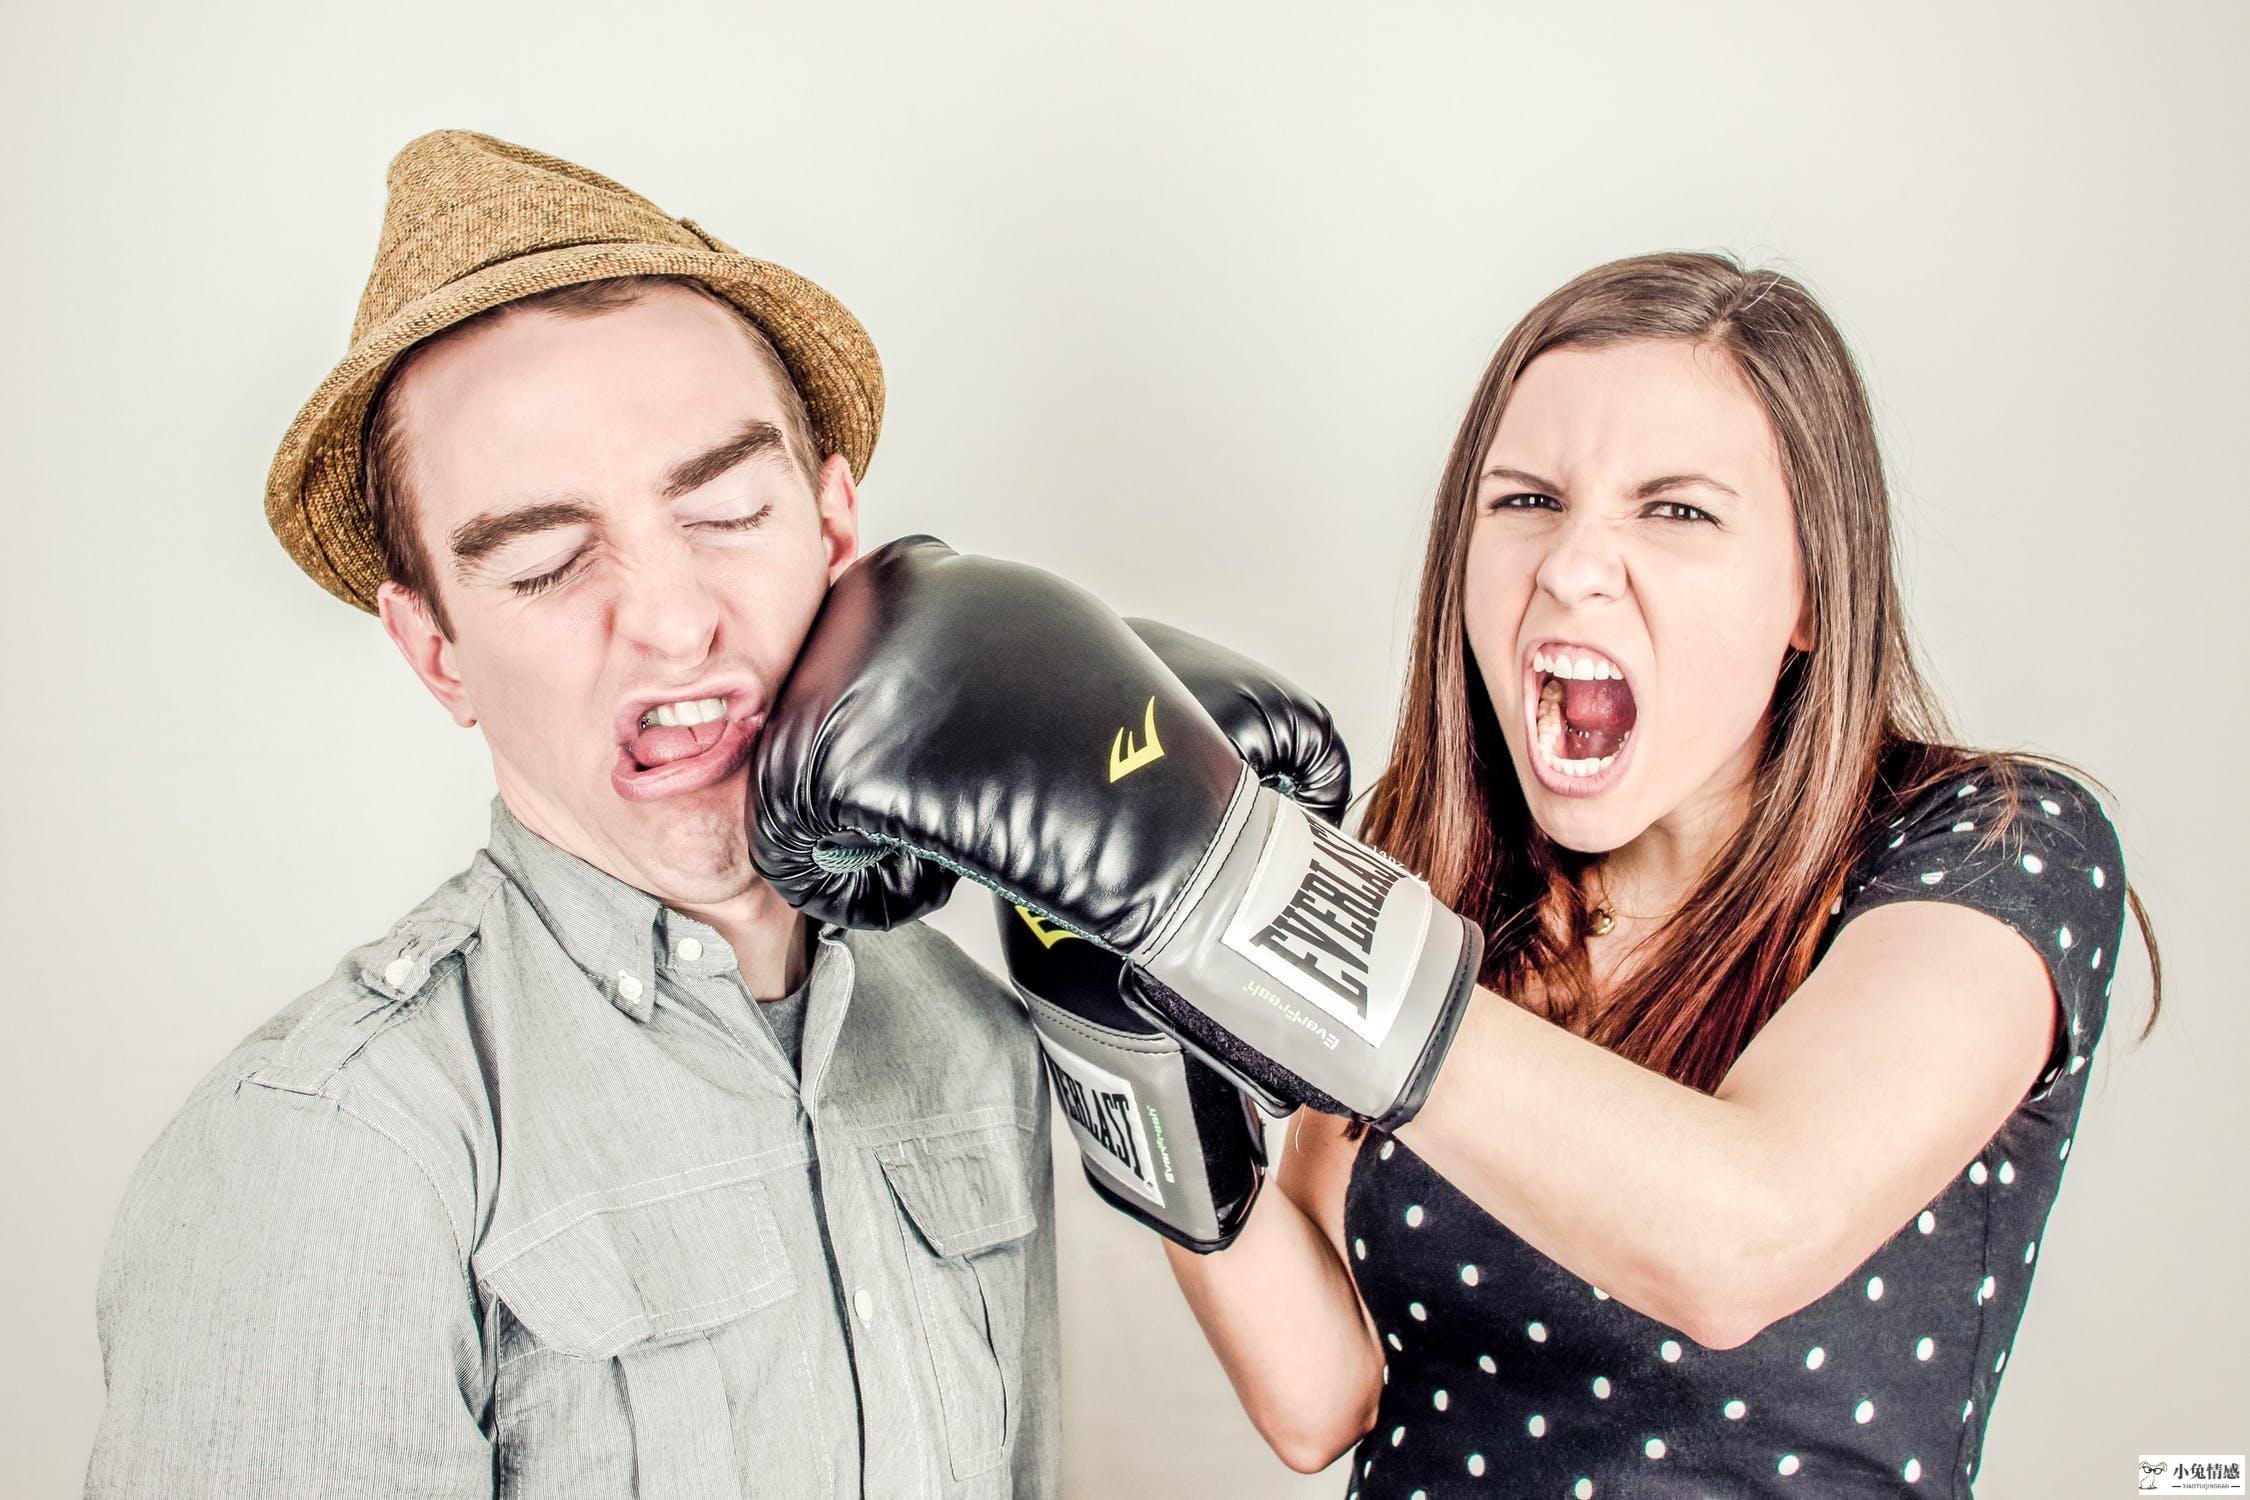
(406, 619)
(838, 501)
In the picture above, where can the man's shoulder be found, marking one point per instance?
(383, 1038)
(391, 989)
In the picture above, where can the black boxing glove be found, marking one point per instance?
(995, 720)
(1163, 1137)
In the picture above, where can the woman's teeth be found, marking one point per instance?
(684, 714)
(1582, 668)
(1551, 734)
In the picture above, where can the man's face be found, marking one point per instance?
(613, 521)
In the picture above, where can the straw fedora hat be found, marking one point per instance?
(472, 222)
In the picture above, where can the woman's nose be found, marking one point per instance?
(1583, 561)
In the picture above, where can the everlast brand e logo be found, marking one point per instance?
(1048, 936)
(1125, 757)
(1101, 1116)
(1327, 930)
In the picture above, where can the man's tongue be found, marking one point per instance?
(1597, 715)
(662, 744)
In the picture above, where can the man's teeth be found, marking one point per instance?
(1583, 668)
(684, 713)
(1550, 735)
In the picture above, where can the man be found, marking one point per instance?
(602, 1172)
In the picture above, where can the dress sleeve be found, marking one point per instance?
(2050, 867)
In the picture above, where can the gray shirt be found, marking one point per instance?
(787, 1018)
(525, 1199)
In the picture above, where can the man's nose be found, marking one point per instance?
(665, 604)
(1584, 560)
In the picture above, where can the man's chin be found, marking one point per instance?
(691, 847)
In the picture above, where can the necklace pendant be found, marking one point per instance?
(1603, 920)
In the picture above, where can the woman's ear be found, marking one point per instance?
(1807, 634)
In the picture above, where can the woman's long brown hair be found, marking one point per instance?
(1854, 732)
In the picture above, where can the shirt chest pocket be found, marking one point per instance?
(965, 1216)
(655, 1343)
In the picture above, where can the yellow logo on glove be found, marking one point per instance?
(1125, 757)
(1048, 936)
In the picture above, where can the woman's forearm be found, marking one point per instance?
(1664, 1197)
(1283, 1316)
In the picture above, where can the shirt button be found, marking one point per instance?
(628, 986)
(397, 972)
(689, 949)
(863, 1303)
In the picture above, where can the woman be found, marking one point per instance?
(1734, 1178)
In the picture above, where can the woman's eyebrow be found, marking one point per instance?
(1524, 476)
(1650, 487)
(1641, 491)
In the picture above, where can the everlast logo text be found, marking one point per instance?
(1105, 1116)
(1328, 928)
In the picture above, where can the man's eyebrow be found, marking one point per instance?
(478, 538)
(755, 437)
(1642, 491)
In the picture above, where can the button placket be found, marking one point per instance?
(881, 1364)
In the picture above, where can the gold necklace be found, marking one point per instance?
(1603, 920)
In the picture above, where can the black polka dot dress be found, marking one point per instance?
(1508, 1375)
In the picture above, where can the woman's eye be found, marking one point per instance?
(1680, 510)
(1527, 501)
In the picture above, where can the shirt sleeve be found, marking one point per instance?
(2051, 868)
(284, 1310)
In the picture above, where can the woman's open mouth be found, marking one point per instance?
(1581, 715)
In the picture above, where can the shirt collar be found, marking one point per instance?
(616, 933)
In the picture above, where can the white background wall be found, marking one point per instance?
(1184, 302)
